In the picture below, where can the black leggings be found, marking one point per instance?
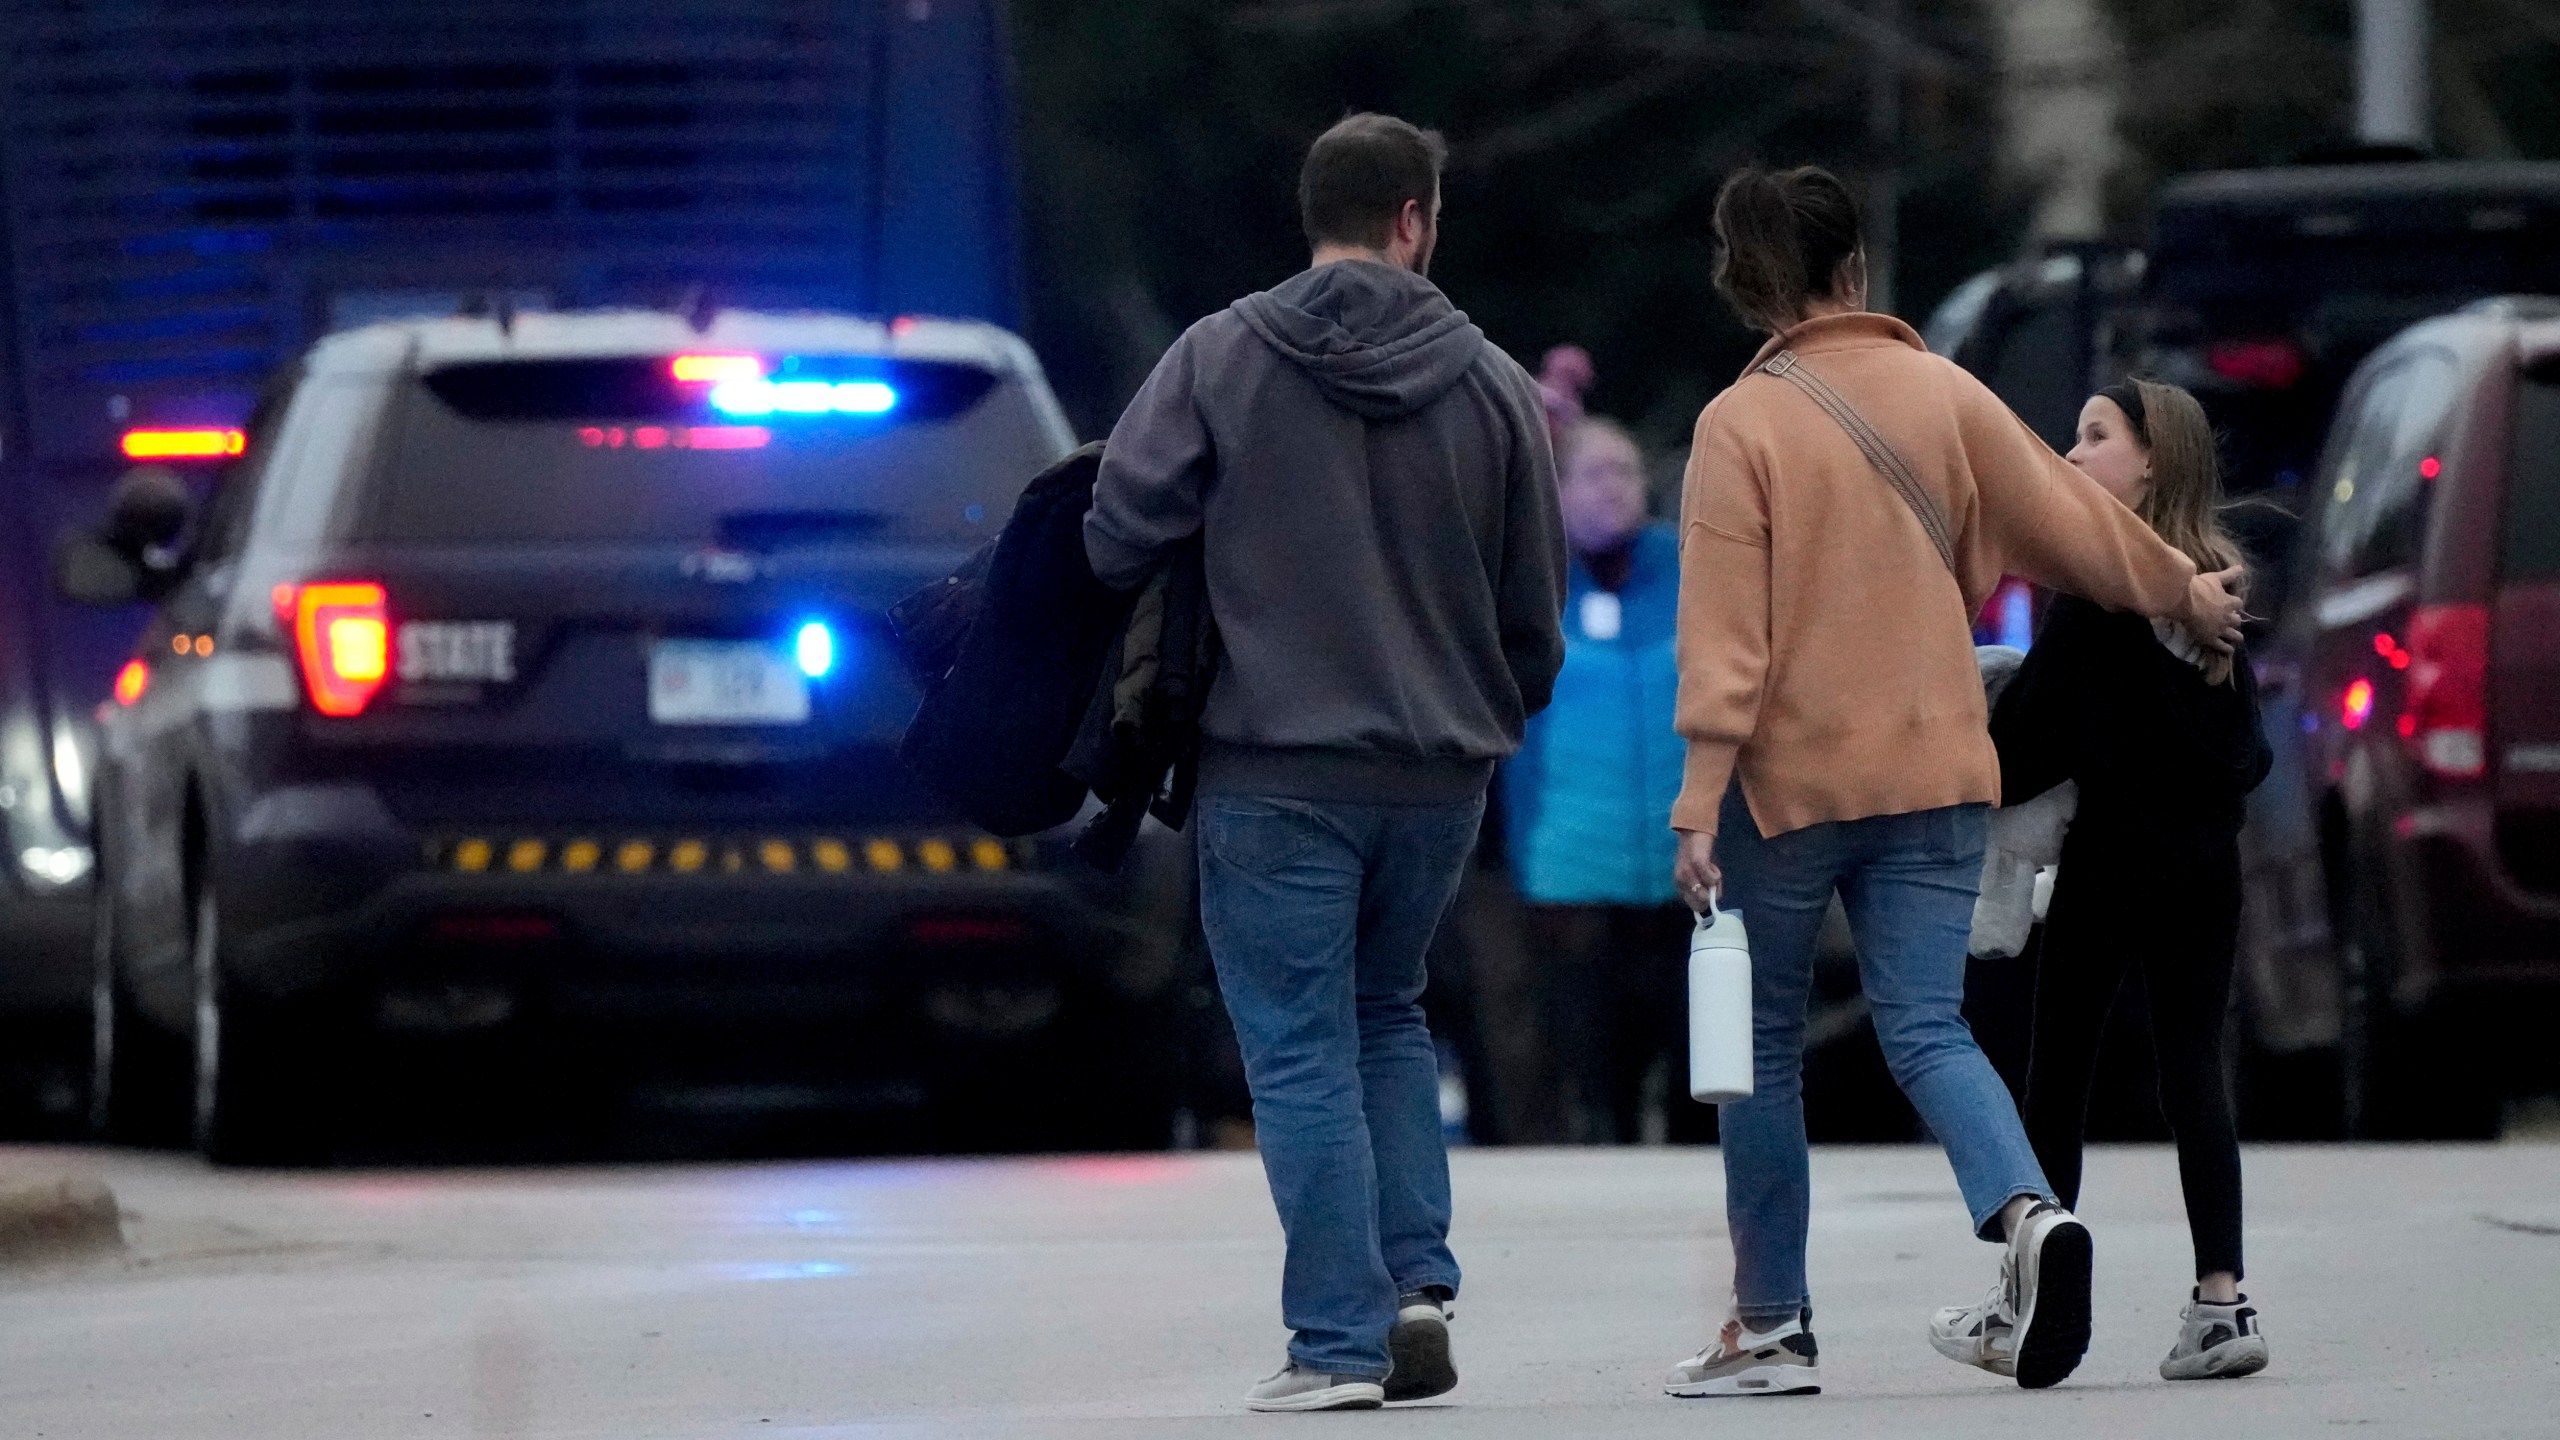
(2172, 912)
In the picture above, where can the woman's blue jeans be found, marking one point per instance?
(1908, 884)
(1318, 915)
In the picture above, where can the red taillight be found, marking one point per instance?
(342, 634)
(132, 680)
(2448, 709)
(711, 369)
(2265, 364)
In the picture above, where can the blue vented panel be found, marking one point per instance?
(196, 188)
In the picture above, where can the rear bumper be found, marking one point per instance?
(344, 901)
(2465, 922)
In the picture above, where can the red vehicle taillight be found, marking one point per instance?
(2261, 364)
(2447, 720)
(342, 635)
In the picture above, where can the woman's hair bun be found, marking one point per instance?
(1782, 238)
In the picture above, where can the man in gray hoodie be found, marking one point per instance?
(1376, 498)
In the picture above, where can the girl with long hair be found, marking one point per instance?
(2162, 736)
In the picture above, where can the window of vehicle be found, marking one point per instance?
(617, 451)
(2378, 496)
(224, 528)
(2533, 479)
(2039, 367)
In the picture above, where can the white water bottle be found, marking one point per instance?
(1719, 1007)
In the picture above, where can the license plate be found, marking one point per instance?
(719, 682)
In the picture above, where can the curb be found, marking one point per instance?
(48, 1218)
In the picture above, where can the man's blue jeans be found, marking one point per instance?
(1908, 883)
(1318, 916)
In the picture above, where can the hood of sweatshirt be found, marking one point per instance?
(1380, 341)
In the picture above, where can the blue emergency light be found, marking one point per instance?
(760, 396)
(815, 648)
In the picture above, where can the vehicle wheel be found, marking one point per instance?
(138, 1070)
(2403, 1077)
(246, 1109)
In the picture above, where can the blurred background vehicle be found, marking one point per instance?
(2264, 289)
(2404, 905)
(191, 192)
(525, 683)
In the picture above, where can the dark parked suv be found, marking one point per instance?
(527, 675)
(2405, 856)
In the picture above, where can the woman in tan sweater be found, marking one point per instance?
(1850, 503)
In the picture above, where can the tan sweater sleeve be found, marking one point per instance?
(2043, 519)
(1722, 635)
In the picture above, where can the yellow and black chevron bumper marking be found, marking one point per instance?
(603, 854)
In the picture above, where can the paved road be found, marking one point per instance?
(2408, 1292)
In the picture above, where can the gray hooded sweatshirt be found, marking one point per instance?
(1376, 497)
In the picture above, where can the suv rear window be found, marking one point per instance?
(2533, 479)
(616, 451)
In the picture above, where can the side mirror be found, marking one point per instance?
(89, 571)
(127, 559)
(148, 510)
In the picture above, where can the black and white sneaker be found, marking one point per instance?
(2216, 1342)
(2034, 1325)
(1418, 1346)
(2050, 1261)
(1781, 1361)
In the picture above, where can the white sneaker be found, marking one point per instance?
(2034, 1325)
(2216, 1342)
(1296, 1388)
(1979, 1334)
(1780, 1361)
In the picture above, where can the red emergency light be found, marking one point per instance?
(712, 369)
(184, 444)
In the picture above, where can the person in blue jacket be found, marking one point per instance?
(1589, 799)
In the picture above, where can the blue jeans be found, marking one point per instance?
(1318, 916)
(1908, 883)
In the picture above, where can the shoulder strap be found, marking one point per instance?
(1788, 366)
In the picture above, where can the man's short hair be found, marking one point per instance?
(1359, 174)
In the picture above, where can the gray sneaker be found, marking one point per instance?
(1783, 1361)
(1418, 1346)
(2216, 1342)
(1295, 1388)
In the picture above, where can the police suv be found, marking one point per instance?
(527, 675)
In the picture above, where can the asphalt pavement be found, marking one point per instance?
(2406, 1292)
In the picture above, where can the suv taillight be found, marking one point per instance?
(2447, 719)
(342, 635)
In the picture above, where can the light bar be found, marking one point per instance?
(713, 369)
(183, 444)
(760, 396)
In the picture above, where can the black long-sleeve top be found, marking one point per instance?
(2159, 752)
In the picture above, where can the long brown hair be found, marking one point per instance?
(2184, 503)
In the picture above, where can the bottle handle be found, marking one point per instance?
(1713, 912)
